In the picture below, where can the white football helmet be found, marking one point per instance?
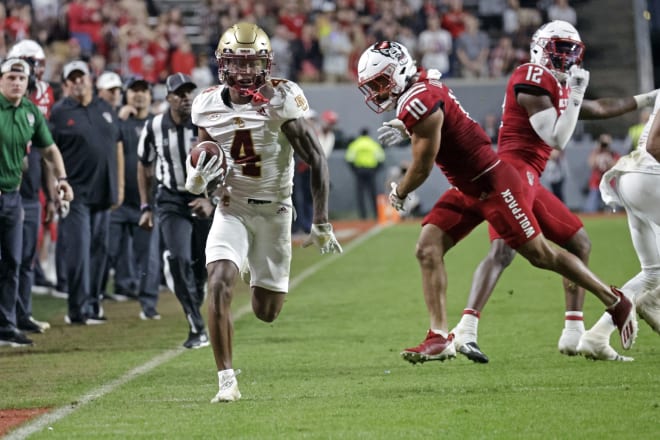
(384, 70)
(27, 49)
(557, 46)
(32, 52)
(244, 58)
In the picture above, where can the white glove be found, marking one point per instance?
(392, 133)
(578, 81)
(200, 176)
(646, 99)
(396, 201)
(322, 236)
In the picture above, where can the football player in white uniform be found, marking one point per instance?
(634, 183)
(252, 223)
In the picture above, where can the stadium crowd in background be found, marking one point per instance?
(313, 40)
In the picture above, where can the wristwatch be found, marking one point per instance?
(145, 207)
(215, 200)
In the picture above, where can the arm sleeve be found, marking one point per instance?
(555, 131)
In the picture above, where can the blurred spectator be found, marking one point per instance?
(201, 74)
(280, 43)
(491, 126)
(85, 23)
(601, 159)
(307, 56)
(472, 49)
(292, 17)
(335, 47)
(503, 58)
(365, 156)
(454, 19)
(561, 10)
(635, 131)
(265, 18)
(182, 58)
(490, 14)
(108, 87)
(326, 131)
(435, 46)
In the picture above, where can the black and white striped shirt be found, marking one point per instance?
(168, 144)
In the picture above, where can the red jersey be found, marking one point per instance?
(466, 151)
(43, 97)
(517, 139)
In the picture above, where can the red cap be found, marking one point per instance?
(329, 116)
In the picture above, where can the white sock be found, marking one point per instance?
(604, 327)
(574, 320)
(440, 332)
(469, 322)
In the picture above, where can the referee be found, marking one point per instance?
(183, 218)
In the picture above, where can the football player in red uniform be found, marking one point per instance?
(540, 112)
(484, 188)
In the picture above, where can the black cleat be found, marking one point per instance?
(472, 351)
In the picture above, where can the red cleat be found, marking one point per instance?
(623, 315)
(434, 348)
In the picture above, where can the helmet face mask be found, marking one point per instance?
(244, 58)
(384, 70)
(557, 46)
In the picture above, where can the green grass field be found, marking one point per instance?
(329, 367)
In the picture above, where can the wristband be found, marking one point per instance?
(60, 179)
(145, 207)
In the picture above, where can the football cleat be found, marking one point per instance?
(597, 348)
(623, 316)
(648, 307)
(196, 340)
(472, 351)
(434, 348)
(568, 341)
(466, 344)
(228, 386)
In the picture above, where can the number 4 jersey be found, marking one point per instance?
(465, 151)
(259, 166)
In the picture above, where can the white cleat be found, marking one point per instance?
(568, 341)
(228, 386)
(598, 348)
(648, 308)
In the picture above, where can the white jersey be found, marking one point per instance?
(638, 161)
(259, 166)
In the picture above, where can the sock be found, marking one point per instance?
(440, 332)
(574, 320)
(604, 327)
(469, 322)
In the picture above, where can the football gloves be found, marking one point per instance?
(321, 235)
(200, 176)
(396, 201)
(392, 133)
(578, 82)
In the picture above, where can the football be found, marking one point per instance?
(211, 148)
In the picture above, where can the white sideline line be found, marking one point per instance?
(46, 420)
